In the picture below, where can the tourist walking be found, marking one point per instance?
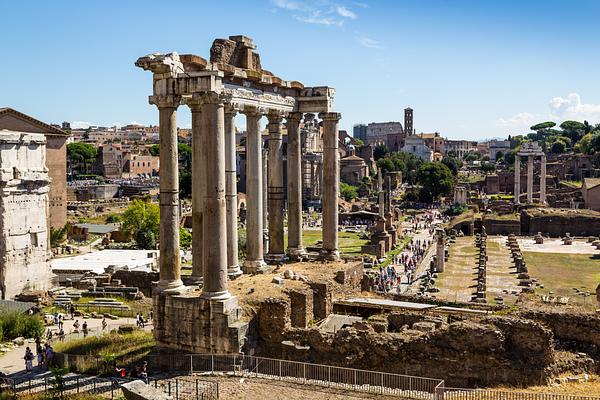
(28, 359)
(85, 329)
(104, 323)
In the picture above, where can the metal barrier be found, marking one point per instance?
(181, 389)
(303, 373)
(490, 394)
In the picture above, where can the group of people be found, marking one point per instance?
(44, 355)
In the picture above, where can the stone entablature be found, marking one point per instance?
(24, 187)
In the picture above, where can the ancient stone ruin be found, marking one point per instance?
(215, 90)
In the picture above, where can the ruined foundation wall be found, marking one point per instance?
(490, 351)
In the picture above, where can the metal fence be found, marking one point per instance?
(490, 394)
(181, 389)
(303, 373)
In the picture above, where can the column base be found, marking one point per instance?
(233, 272)
(255, 267)
(222, 295)
(275, 258)
(296, 253)
(329, 255)
(172, 286)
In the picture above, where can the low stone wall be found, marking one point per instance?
(351, 276)
(559, 222)
(501, 226)
(141, 280)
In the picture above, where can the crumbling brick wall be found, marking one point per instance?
(301, 312)
(323, 299)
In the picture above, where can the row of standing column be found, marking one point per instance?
(517, 189)
(214, 194)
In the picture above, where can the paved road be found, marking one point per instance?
(12, 363)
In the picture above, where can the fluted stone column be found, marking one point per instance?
(276, 195)
(295, 249)
(331, 185)
(198, 188)
(254, 194)
(517, 178)
(530, 179)
(170, 268)
(233, 267)
(543, 180)
(214, 216)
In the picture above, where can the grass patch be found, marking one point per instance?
(560, 273)
(135, 306)
(399, 247)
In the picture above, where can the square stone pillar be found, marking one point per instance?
(276, 195)
(233, 267)
(214, 216)
(517, 178)
(254, 194)
(295, 250)
(170, 268)
(543, 180)
(331, 185)
(198, 189)
(530, 179)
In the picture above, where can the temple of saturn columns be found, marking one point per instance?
(232, 82)
(531, 150)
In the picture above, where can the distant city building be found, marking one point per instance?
(359, 131)
(408, 121)
(66, 126)
(377, 132)
(498, 146)
(459, 147)
(135, 165)
(416, 145)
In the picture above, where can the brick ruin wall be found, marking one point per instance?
(558, 225)
(477, 351)
(501, 226)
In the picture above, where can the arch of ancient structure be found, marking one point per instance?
(215, 90)
(531, 150)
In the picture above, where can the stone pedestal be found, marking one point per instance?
(194, 324)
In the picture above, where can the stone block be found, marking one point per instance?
(138, 390)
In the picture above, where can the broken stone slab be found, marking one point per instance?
(138, 390)
(277, 280)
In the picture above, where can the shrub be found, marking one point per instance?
(13, 325)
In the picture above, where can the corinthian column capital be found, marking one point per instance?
(331, 116)
(167, 101)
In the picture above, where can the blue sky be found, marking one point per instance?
(469, 69)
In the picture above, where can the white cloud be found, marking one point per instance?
(561, 109)
(361, 5)
(571, 108)
(344, 12)
(320, 13)
(521, 121)
(287, 4)
(368, 42)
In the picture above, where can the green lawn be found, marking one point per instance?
(349, 242)
(560, 273)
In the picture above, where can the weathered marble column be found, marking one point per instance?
(543, 180)
(254, 193)
(214, 215)
(170, 268)
(276, 196)
(198, 188)
(530, 179)
(233, 267)
(331, 185)
(517, 178)
(265, 196)
(295, 249)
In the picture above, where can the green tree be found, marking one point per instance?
(359, 143)
(453, 163)
(57, 236)
(585, 144)
(472, 156)
(154, 150)
(348, 192)
(558, 147)
(185, 238)
(487, 166)
(380, 151)
(543, 126)
(82, 152)
(185, 155)
(436, 180)
(142, 220)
